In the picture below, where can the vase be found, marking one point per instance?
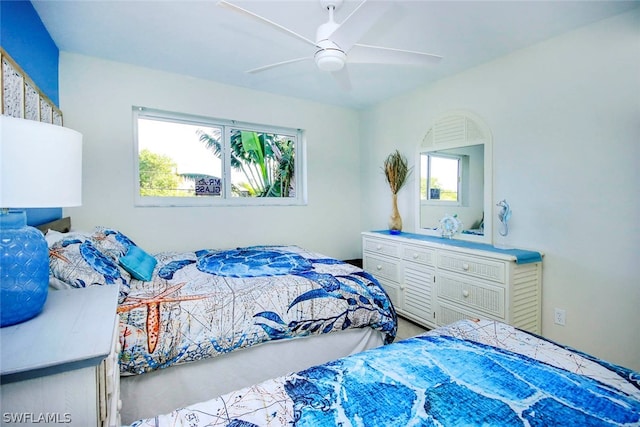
(395, 221)
(24, 269)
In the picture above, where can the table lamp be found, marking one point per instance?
(40, 166)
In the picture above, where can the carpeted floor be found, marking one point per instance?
(407, 329)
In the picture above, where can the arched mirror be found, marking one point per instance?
(455, 176)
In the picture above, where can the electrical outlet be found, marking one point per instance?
(560, 316)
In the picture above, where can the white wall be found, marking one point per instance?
(565, 119)
(96, 97)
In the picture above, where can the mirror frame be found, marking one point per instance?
(456, 129)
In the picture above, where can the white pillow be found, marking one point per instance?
(53, 236)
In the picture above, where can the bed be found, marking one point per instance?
(203, 323)
(472, 372)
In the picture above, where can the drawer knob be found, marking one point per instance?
(465, 293)
(416, 255)
(465, 266)
(378, 267)
(379, 247)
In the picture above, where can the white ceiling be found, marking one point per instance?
(202, 39)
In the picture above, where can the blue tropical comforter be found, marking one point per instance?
(468, 373)
(206, 303)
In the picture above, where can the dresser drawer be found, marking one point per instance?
(421, 255)
(381, 267)
(473, 295)
(472, 266)
(383, 247)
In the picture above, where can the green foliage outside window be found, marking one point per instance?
(267, 162)
(158, 175)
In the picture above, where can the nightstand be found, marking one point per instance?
(61, 367)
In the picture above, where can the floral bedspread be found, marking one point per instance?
(206, 303)
(468, 373)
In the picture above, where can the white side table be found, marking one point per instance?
(61, 367)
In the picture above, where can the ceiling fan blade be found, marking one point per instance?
(235, 8)
(366, 54)
(277, 64)
(358, 23)
(342, 78)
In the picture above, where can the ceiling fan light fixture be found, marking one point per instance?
(330, 59)
(335, 40)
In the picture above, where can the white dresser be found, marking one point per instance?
(61, 367)
(434, 281)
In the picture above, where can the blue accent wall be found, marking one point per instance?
(24, 37)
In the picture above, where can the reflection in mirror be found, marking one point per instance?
(440, 177)
(454, 160)
(452, 182)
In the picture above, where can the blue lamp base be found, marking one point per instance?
(24, 269)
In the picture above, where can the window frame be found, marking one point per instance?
(226, 199)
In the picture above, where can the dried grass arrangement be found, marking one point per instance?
(396, 170)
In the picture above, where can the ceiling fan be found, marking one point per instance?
(336, 43)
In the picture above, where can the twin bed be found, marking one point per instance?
(290, 337)
(199, 324)
(469, 373)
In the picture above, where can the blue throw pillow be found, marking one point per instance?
(138, 263)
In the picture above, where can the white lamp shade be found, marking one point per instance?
(40, 164)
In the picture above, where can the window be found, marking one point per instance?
(186, 160)
(443, 177)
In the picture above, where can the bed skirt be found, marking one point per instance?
(162, 391)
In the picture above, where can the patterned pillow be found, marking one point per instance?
(52, 236)
(76, 261)
(111, 242)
